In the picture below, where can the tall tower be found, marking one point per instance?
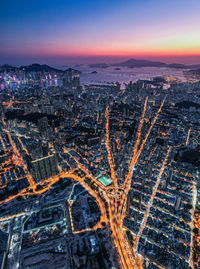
(44, 168)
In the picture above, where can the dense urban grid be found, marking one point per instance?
(98, 175)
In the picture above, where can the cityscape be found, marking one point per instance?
(99, 138)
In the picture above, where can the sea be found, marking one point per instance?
(123, 75)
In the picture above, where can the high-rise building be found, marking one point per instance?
(149, 169)
(42, 124)
(71, 78)
(177, 204)
(47, 109)
(44, 168)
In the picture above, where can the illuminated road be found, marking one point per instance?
(146, 215)
(111, 200)
(188, 137)
(116, 201)
(194, 224)
(197, 237)
(134, 160)
(108, 148)
(2, 142)
(152, 153)
(118, 143)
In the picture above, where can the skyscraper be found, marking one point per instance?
(44, 168)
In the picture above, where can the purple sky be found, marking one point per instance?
(65, 31)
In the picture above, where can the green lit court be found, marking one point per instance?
(105, 180)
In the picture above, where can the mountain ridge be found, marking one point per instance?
(131, 63)
(35, 68)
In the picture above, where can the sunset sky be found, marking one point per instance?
(53, 30)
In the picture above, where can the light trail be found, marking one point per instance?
(76, 150)
(118, 143)
(150, 128)
(197, 238)
(135, 149)
(125, 257)
(32, 189)
(154, 149)
(108, 148)
(97, 119)
(188, 137)
(132, 165)
(20, 161)
(146, 215)
(127, 183)
(3, 144)
(111, 159)
(128, 257)
(12, 197)
(12, 216)
(23, 147)
(8, 104)
(33, 185)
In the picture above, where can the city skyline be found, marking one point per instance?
(100, 134)
(59, 32)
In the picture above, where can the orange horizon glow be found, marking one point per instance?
(92, 52)
(121, 28)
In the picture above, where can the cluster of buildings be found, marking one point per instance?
(43, 131)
